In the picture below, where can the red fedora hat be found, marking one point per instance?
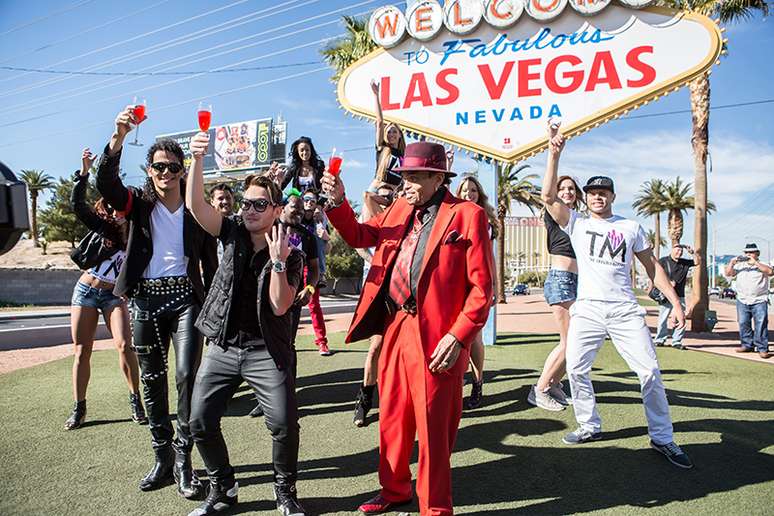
(424, 157)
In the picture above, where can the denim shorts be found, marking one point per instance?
(99, 298)
(560, 287)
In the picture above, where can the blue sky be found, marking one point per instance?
(50, 118)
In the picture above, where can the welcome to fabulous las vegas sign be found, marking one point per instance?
(486, 75)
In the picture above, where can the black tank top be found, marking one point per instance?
(558, 241)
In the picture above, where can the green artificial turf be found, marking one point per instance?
(509, 458)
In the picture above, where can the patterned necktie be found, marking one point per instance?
(400, 284)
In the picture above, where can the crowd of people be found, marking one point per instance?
(169, 262)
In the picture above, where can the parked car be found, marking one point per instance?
(714, 291)
(728, 293)
(520, 289)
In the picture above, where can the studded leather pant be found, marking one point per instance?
(158, 315)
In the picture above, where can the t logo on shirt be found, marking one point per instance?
(614, 244)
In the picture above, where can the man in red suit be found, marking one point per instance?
(428, 292)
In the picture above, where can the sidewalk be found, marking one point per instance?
(531, 314)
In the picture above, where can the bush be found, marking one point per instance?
(533, 278)
(342, 261)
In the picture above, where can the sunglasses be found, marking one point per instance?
(310, 199)
(174, 168)
(259, 205)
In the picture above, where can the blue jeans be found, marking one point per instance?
(560, 287)
(753, 325)
(663, 325)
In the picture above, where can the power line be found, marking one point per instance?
(155, 74)
(81, 33)
(91, 88)
(712, 108)
(42, 18)
(133, 38)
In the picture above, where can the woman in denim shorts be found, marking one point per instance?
(560, 290)
(94, 294)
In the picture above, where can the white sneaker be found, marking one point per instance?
(543, 400)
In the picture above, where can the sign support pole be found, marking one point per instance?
(489, 332)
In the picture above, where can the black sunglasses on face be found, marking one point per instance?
(259, 205)
(310, 199)
(174, 168)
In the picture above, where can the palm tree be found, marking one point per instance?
(510, 188)
(356, 44)
(652, 240)
(677, 199)
(725, 11)
(37, 182)
(649, 202)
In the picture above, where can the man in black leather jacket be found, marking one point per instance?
(165, 254)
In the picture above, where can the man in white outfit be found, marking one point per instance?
(605, 246)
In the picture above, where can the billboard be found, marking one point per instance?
(234, 147)
(485, 77)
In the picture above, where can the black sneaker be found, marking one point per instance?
(138, 412)
(287, 500)
(219, 499)
(674, 454)
(476, 395)
(362, 406)
(77, 417)
(581, 436)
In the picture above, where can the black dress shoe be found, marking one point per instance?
(287, 500)
(160, 474)
(221, 497)
(188, 484)
(77, 417)
(138, 412)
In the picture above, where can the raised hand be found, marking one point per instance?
(375, 87)
(279, 248)
(87, 160)
(333, 187)
(125, 121)
(199, 144)
(555, 138)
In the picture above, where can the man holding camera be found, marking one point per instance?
(752, 303)
(676, 268)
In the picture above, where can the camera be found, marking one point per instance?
(13, 209)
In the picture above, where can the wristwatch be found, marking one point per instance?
(279, 266)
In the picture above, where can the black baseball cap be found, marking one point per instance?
(599, 183)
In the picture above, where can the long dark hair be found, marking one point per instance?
(114, 235)
(166, 145)
(296, 163)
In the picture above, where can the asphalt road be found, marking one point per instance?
(22, 330)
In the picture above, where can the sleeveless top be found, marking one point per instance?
(558, 241)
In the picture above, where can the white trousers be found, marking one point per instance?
(624, 322)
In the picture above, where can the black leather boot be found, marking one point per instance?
(77, 417)
(287, 500)
(188, 484)
(138, 413)
(221, 497)
(160, 474)
(363, 404)
(476, 395)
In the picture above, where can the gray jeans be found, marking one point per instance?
(663, 321)
(220, 375)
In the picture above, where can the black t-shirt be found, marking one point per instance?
(677, 272)
(301, 238)
(391, 177)
(558, 241)
(243, 327)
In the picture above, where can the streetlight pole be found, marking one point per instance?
(768, 246)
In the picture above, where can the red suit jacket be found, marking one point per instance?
(455, 283)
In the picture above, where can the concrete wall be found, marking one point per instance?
(38, 286)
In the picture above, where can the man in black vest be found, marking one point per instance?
(247, 320)
(165, 254)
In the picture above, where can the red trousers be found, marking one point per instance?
(318, 319)
(415, 402)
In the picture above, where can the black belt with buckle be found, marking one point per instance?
(409, 307)
(169, 285)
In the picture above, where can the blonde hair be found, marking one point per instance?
(483, 201)
(385, 152)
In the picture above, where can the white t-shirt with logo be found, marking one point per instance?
(604, 249)
(752, 286)
(169, 257)
(108, 270)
